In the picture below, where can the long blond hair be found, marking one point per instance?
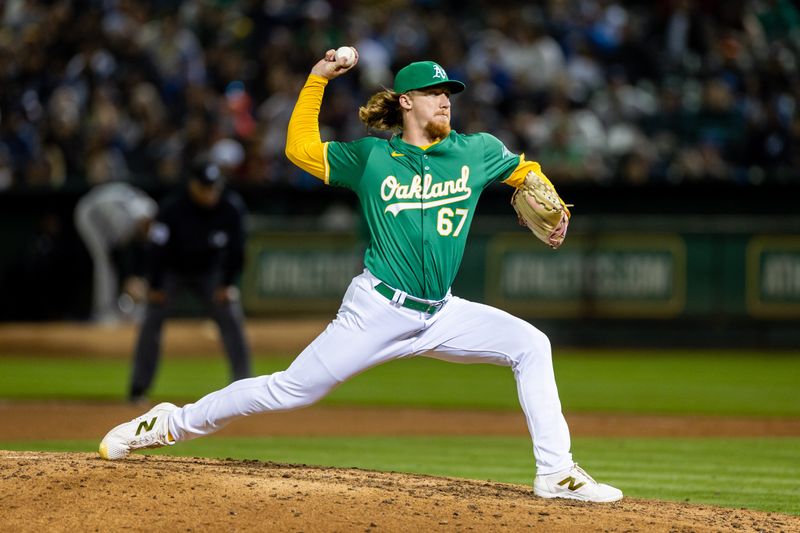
(382, 112)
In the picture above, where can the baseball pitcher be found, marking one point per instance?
(418, 191)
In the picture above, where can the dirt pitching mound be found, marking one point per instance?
(81, 492)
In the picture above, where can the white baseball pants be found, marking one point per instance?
(369, 330)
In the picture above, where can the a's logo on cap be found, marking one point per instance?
(438, 72)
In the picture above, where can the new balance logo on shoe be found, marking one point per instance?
(143, 425)
(574, 484)
(571, 480)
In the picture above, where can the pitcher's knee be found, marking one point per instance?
(287, 393)
(541, 341)
(537, 345)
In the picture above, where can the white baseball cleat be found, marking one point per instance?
(574, 484)
(147, 431)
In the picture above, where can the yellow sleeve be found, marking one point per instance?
(517, 177)
(304, 147)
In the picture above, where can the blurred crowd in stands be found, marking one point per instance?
(599, 91)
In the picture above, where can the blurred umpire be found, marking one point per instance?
(196, 244)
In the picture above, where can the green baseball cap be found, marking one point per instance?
(424, 74)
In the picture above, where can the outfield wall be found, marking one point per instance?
(639, 284)
(699, 265)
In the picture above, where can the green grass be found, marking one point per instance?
(751, 384)
(761, 473)
(757, 473)
(718, 383)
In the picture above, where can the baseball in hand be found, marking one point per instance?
(346, 52)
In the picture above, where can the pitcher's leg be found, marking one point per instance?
(366, 332)
(305, 381)
(538, 396)
(469, 332)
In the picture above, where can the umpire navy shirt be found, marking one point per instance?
(191, 240)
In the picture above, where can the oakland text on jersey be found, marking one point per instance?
(425, 190)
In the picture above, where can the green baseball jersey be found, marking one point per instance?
(418, 204)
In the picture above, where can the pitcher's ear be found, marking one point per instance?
(405, 101)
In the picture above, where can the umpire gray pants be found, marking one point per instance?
(228, 316)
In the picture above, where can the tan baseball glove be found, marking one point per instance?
(541, 209)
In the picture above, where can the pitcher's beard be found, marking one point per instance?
(437, 129)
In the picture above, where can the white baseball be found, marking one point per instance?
(346, 52)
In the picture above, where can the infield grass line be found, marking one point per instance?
(702, 383)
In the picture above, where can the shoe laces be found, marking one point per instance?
(582, 472)
(149, 439)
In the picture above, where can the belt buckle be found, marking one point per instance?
(434, 308)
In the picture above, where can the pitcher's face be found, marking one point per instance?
(430, 109)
